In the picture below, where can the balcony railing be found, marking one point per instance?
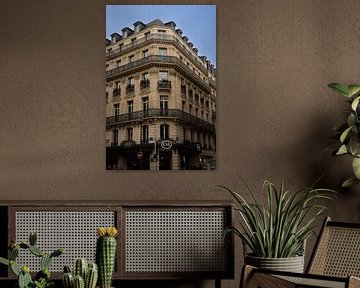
(153, 37)
(116, 92)
(158, 60)
(144, 84)
(164, 85)
(130, 88)
(153, 113)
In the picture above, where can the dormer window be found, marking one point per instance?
(115, 37)
(138, 26)
(133, 41)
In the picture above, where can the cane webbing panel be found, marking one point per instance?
(74, 231)
(338, 252)
(313, 282)
(175, 241)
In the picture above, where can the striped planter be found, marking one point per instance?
(291, 264)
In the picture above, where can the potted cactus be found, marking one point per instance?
(106, 254)
(84, 275)
(42, 278)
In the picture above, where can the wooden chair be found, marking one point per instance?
(335, 262)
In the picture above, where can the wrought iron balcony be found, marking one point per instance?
(116, 92)
(144, 84)
(153, 38)
(164, 85)
(130, 88)
(157, 60)
(160, 113)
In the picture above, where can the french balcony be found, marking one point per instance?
(144, 84)
(116, 92)
(130, 88)
(160, 113)
(164, 85)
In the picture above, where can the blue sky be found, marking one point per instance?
(198, 22)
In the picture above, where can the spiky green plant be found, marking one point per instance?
(348, 132)
(106, 254)
(85, 274)
(279, 229)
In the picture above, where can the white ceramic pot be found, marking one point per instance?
(291, 264)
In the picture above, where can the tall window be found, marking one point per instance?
(164, 105)
(133, 41)
(130, 106)
(131, 58)
(115, 137)
(145, 76)
(147, 34)
(162, 53)
(130, 85)
(144, 82)
(145, 106)
(164, 131)
(162, 34)
(129, 134)
(190, 109)
(118, 63)
(145, 134)
(116, 109)
(163, 75)
(145, 53)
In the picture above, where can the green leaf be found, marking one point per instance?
(351, 120)
(340, 89)
(345, 134)
(355, 103)
(349, 182)
(4, 261)
(353, 89)
(356, 167)
(342, 150)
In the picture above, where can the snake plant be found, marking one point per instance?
(279, 228)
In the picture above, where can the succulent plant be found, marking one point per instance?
(106, 254)
(85, 275)
(42, 278)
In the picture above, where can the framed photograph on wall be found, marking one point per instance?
(160, 87)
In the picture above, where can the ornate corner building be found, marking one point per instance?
(160, 101)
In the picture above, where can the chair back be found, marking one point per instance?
(337, 251)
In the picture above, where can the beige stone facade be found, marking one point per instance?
(160, 101)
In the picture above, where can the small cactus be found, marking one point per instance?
(80, 268)
(79, 282)
(45, 261)
(24, 280)
(84, 274)
(106, 254)
(91, 276)
(68, 280)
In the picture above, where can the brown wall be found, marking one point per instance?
(275, 113)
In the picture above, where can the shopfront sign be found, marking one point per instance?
(166, 144)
